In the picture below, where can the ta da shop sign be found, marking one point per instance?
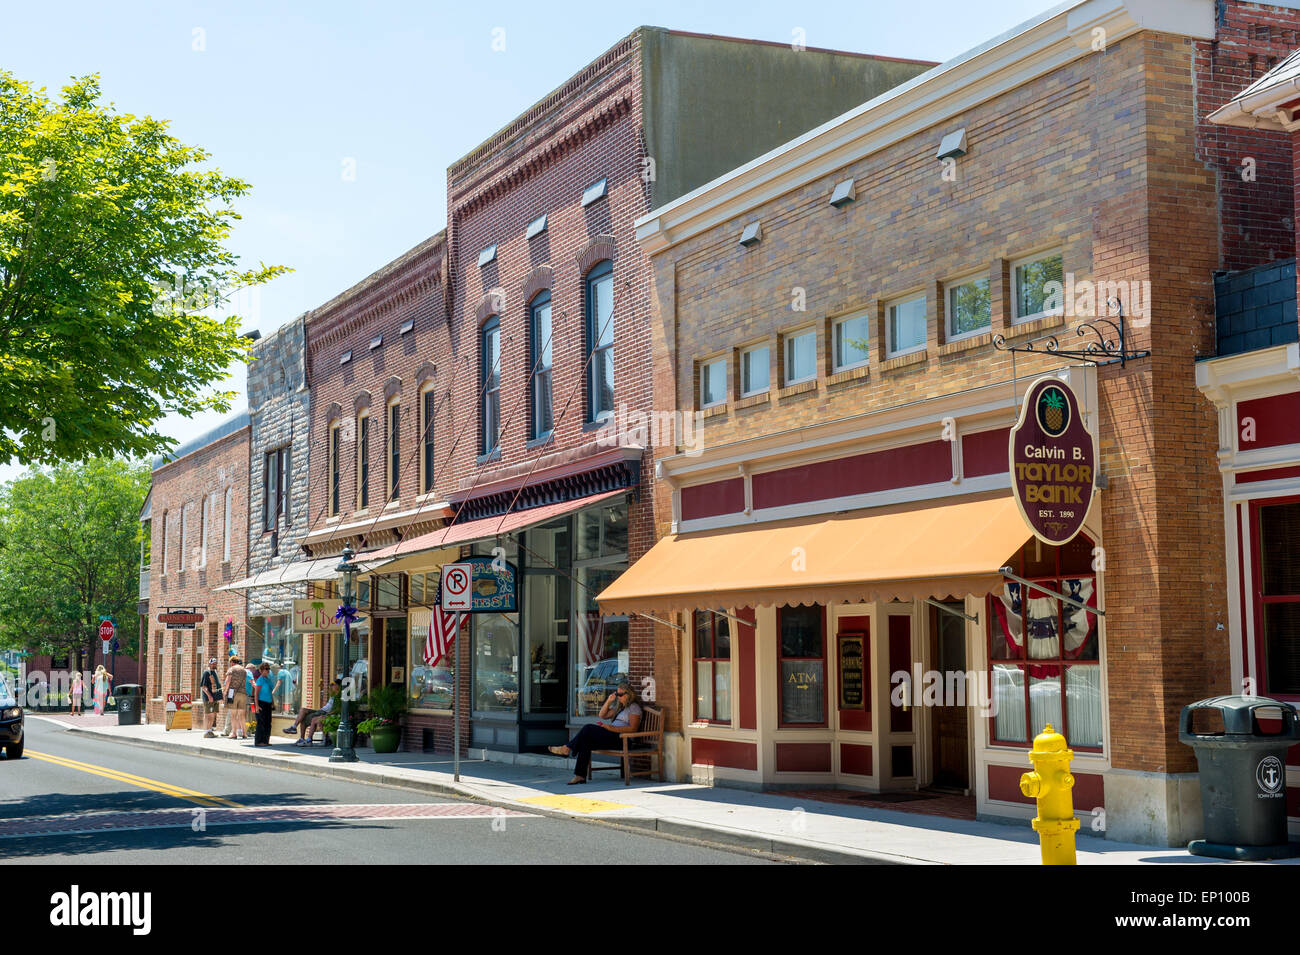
(1053, 462)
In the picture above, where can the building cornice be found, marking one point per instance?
(1025, 53)
(1249, 374)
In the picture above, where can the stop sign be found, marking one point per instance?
(106, 630)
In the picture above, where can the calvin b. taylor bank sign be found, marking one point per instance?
(1053, 462)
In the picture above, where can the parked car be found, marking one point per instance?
(601, 680)
(11, 721)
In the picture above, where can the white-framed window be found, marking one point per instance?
(203, 531)
(968, 307)
(394, 450)
(1036, 286)
(905, 326)
(428, 405)
(801, 356)
(227, 524)
(363, 460)
(850, 336)
(336, 466)
(713, 382)
(755, 370)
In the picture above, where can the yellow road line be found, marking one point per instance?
(575, 803)
(168, 789)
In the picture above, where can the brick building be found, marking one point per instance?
(198, 517)
(1252, 379)
(549, 354)
(832, 310)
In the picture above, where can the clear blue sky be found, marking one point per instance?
(283, 94)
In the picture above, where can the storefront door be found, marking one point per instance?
(949, 723)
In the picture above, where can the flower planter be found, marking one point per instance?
(386, 739)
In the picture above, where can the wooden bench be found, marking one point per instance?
(646, 743)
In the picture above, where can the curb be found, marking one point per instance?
(672, 829)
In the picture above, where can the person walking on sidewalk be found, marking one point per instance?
(236, 698)
(265, 690)
(620, 714)
(75, 692)
(103, 683)
(210, 687)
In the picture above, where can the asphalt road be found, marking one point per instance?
(78, 799)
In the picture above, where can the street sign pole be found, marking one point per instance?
(455, 706)
(456, 596)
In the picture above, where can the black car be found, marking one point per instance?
(11, 721)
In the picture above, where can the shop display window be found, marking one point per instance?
(801, 633)
(430, 687)
(1277, 602)
(271, 640)
(712, 667)
(1043, 651)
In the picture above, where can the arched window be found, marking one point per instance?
(600, 340)
(336, 466)
(490, 384)
(226, 524)
(539, 360)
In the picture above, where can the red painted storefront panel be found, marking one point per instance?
(724, 752)
(855, 759)
(803, 757)
(1004, 784)
(1271, 474)
(710, 500)
(985, 452)
(900, 658)
(914, 464)
(1276, 421)
(747, 670)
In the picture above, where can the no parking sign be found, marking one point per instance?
(456, 593)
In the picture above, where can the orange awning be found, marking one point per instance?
(902, 553)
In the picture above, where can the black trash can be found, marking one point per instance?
(1243, 776)
(129, 700)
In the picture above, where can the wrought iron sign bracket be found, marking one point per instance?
(1104, 341)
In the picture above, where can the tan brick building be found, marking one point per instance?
(198, 519)
(831, 310)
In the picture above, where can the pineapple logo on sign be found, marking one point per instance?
(1053, 462)
(1053, 411)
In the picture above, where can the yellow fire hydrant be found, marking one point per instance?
(1051, 785)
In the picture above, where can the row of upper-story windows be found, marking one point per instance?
(1035, 293)
(393, 465)
(187, 529)
(598, 349)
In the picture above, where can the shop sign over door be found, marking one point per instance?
(1053, 462)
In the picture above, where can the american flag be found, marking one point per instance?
(593, 626)
(443, 626)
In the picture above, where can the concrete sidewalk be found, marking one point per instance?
(765, 822)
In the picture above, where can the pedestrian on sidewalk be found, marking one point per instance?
(210, 687)
(620, 714)
(265, 688)
(309, 720)
(236, 698)
(103, 682)
(75, 692)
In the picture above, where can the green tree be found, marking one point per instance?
(70, 554)
(111, 253)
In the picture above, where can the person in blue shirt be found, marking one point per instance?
(265, 685)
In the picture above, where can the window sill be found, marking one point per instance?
(903, 361)
(759, 399)
(493, 455)
(542, 441)
(598, 424)
(849, 374)
(967, 343)
(800, 388)
(395, 502)
(713, 411)
(1016, 329)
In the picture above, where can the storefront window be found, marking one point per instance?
(496, 661)
(429, 687)
(351, 662)
(270, 640)
(802, 651)
(388, 592)
(1279, 600)
(602, 532)
(712, 667)
(1028, 623)
(600, 653)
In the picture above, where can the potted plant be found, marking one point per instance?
(387, 704)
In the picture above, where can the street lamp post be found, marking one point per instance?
(344, 752)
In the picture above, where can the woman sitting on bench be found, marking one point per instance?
(620, 714)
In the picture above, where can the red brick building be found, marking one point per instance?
(198, 519)
(832, 310)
